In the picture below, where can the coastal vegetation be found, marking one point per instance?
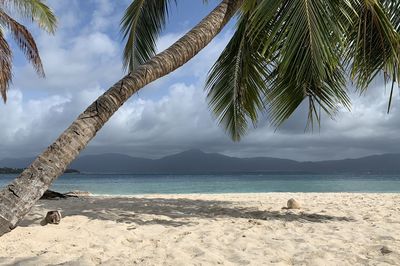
(8, 170)
(283, 53)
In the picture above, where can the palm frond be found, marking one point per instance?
(5, 66)
(392, 9)
(25, 41)
(304, 41)
(374, 42)
(35, 10)
(236, 83)
(141, 25)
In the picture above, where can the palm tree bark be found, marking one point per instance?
(18, 197)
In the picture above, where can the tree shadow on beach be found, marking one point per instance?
(170, 212)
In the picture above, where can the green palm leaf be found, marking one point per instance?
(141, 25)
(305, 42)
(24, 40)
(236, 83)
(5, 66)
(35, 10)
(392, 9)
(374, 43)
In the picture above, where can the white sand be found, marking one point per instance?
(228, 229)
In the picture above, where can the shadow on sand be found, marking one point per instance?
(169, 212)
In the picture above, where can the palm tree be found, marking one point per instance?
(34, 10)
(281, 54)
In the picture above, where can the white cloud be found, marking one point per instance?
(170, 115)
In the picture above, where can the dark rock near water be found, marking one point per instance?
(49, 194)
(53, 195)
(72, 171)
(78, 194)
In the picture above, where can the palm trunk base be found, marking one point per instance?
(5, 226)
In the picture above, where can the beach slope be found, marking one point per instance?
(216, 229)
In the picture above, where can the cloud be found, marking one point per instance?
(181, 120)
(170, 115)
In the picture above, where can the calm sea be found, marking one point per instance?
(117, 184)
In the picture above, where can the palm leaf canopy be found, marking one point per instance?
(34, 10)
(285, 52)
(310, 49)
(141, 25)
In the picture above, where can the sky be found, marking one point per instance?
(84, 58)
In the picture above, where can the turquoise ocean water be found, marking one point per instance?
(118, 184)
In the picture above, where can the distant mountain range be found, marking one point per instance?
(196, 162)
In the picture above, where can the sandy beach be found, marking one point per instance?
(217, 229)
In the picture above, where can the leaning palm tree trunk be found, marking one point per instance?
(18, 197)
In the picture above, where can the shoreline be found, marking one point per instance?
(233, 194)
(126, 185)
(242, 193)
(209, 229)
